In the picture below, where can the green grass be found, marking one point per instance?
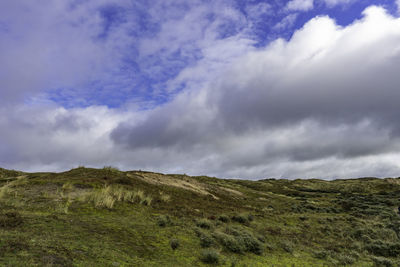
(107, 217)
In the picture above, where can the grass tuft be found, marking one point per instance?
(109, 195)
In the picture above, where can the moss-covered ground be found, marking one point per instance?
(106, 217)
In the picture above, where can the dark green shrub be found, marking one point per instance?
(229, 242)
(223, 218)
(163, 221)
(384, 249)
(250, 218)
(210, 256)
(238, 241)
(382, 262)
(206, 240)
(261, 238)
(303, 218)
(252, 244)
(241, 218)
(248, 241)
(345, 259)
(322, 254)
(287, 246)
(204, 223)
(174, 243)
(10, 219)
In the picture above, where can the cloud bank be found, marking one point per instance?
(328, 93)
(322, 103)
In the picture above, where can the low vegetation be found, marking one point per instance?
(107, 217)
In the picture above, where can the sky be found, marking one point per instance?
(228, 88)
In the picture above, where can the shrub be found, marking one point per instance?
(174, 243)
(261, 238)
(223, 218)
(345, 259)
(210, 256)
(250, 243)
(206, 240)
(322, 254)
(163, 221)
(381, 261)
(10, 219)
(111, 169)
(250, 217)
(287, 246)
(238, 241)
(241, 218)
(384, 249)
(229, 242)
(204, 223)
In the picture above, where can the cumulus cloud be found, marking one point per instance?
(332, 89)
(300, 5)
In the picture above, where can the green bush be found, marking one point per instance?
(287, 246)
(382, 262)
(223, 218)
(174, 243)
(111, 169)
(345, 259)
(204, 223)
(247, 240)
(384, 249)
(163, 220)
(210, 256)
(229, 242)
(239, 241)
(241, 218)
(206, 240)
(321, 254)
(10, 219)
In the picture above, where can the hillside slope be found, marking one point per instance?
(106, 217)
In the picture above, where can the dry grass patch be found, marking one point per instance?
(188, 183)
(9, 187)
(109, 195)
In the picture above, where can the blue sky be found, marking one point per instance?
(250, 89)
(138, 77)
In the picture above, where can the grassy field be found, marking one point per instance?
(106, 217)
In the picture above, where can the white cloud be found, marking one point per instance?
(332, 3)
(323, 104)
(55, 45)
(398, 6)
(318, 105)
(300, 5)
(286, 22)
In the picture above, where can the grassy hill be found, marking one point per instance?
(106, 217)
